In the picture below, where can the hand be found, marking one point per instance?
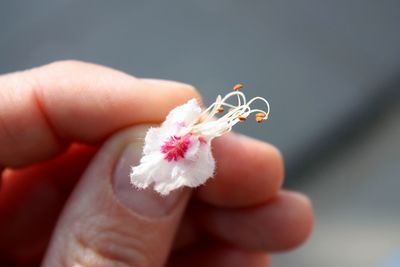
(53, 122)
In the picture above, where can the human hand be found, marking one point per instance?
(53, 121)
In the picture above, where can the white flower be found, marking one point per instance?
(179, 152)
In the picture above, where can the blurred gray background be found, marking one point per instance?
(330, 69)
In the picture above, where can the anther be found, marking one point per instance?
(259, 119)
(220, 109)
(242, 118)
(237, 86)
(260, 115)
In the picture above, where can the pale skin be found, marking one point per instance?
(236, 219)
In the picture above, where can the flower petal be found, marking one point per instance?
(192, 152)
(184, 114)
(142, 175)
(200, 170)
(193, 169)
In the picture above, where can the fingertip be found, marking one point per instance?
(281, 224)
(249, 172)
(218, 255)
(303, 219)
(299, 220)
(186, 91)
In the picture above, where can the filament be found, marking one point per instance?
(207, 124)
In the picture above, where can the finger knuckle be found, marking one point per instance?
(110, 245)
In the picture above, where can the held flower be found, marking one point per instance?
(178, 153)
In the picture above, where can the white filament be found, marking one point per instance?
(206, 125)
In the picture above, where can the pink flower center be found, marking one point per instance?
(175, 147)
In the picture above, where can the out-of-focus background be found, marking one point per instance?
(330, 69)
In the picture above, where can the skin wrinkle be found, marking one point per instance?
(40, 74)
(87, 254)
(3, 125)
(97, 239)
(28, 84)
(37, 88)
(4, 129)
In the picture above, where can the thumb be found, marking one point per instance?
(107, 222)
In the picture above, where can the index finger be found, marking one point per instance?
(43, 109)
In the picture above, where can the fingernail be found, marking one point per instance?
(165, 83)
(146, 202)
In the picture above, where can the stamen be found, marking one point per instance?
(237, 86)
(261, 115)
(186, 150)
(242, 118)
(259, 119)
(208, 125)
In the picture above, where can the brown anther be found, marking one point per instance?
(259, 119)
(260, 115)
(237, 86)
(242, 118)
(220, 109)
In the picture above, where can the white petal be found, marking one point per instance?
(184, 114)
(175, 181)
(189, 173)
(192, 152)
(174, 123)
(200, 170)
(192, 170)
(153, 140)
(142, 175)
(165, 187)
